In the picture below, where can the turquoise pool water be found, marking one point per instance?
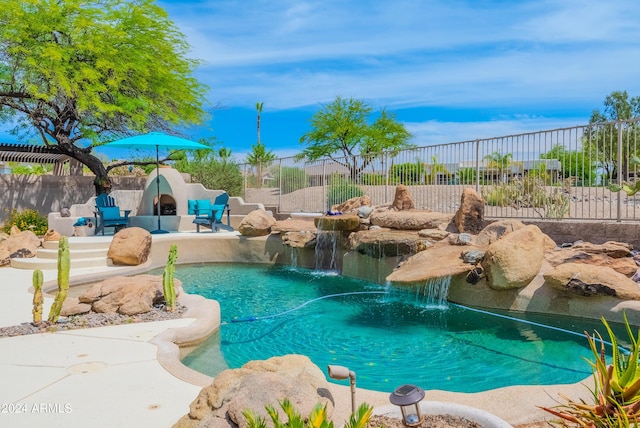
(386, 338)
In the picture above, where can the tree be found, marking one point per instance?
(77, 74)
(600, 139)
(499, 162)
(574, 163)
(259, 110)
(259, 157)
(341, 132)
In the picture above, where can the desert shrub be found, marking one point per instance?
(407, 173)
(341, 189)
(291, 179)
(530, 192)
(26, 220)
(372, 179)
(467, 175)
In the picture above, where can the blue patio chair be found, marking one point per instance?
(209, 214)
(108, 214)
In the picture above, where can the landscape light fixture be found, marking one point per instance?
(408, 397)
(341, 373)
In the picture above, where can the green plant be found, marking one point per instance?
(37, 296)
(616, 392)
(317, 419)
(341, 189)
(629, 188)
(291, 179)
(64, 266)
(26, 220)
(167, 279)
(531, 192)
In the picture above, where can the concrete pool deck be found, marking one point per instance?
(118, 376)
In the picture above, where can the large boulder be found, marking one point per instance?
(387, 243)
(299, 239)
(256, 223)
(496, 230)
(351, 206)
(589, 280)
(126, 295)
(73, 306)
(614, 255)
(255, 385)
(21, 244)
(348, 222)
(130, 247)
(440, 260)
(514, 260)
(611, 249)
(410, 220)
(470, 216)
(293, 225)
(402, 200)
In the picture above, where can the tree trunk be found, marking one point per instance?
(102, 182)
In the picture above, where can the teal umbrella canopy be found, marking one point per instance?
(157, 141)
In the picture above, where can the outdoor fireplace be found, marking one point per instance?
(168, 205)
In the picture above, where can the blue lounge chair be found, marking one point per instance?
(108, 214)
(209, 214)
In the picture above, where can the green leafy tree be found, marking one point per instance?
(341, 132)
(600, 139)
(291, 179)
(214, 169)
(577, 164)
(76, 74)
(407, 173)
(260, 158)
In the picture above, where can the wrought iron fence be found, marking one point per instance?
(561, 173)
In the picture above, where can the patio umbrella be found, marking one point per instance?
(157, 140)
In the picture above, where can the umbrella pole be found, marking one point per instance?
(159, 230)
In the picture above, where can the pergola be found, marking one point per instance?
(28, 153)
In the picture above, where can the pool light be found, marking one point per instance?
(407, 396)
(341, 373)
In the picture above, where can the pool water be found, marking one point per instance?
(388, 338)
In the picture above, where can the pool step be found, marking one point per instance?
(85, 252)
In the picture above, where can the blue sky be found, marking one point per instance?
(450, 70)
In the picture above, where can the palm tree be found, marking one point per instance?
(259, 109)
(499, 162)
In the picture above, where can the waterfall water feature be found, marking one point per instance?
(293, 257)
(434, 292)
(326, 249)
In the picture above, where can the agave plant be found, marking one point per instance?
(317, 419)
(617, 386)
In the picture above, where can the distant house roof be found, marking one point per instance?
(14, 152)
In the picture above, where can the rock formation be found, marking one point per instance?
(402, 200)
(130, 247)
(256, 384)
(470, 215)
(18, 244)
(588, 280)
(124, 295)
(256, 223)
(514, 260)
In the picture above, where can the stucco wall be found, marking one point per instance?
(47, 193)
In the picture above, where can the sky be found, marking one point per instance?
(449, 70)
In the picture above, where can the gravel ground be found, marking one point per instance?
(431, 421)
(89, 320)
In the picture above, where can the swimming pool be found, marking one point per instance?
(387, 338)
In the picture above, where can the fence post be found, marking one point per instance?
(620, 163)
(324, 185)
(478, 166)
(385, 166)
(279, 184)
